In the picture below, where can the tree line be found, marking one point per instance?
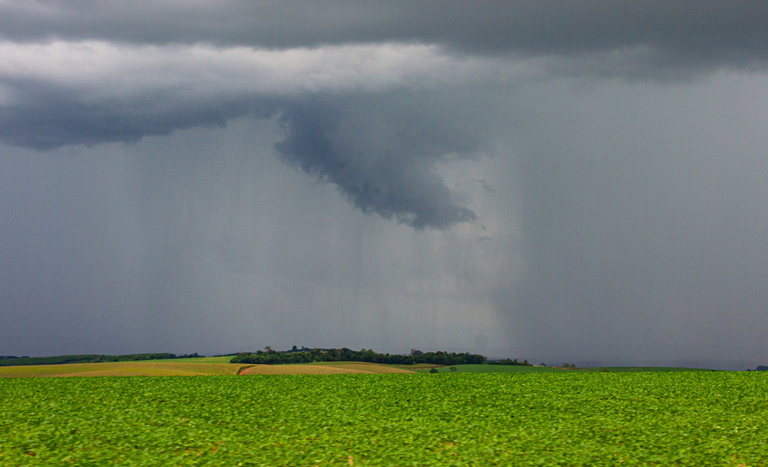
(305, 355)
(10, 360)
(507, 361)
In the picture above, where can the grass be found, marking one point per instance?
(557, 418)
(494, 369)
(416, 366)
(629, 369)
(546, 369)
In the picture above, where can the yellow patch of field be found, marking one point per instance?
(143, 368)
(323, 368)
(224, 359)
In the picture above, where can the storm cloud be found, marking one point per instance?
(100, 72)
(381, 165)
(60, 94)
(554, 179)
(704, 31)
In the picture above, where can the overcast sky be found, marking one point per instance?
(554, 180)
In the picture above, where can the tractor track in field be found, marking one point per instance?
(242, 369)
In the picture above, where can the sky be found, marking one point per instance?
(558, 181)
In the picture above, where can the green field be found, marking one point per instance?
(568, 418)
(485, 368)
(494, 369)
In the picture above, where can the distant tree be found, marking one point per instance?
(416, 352)
(433, 370)
(453, 369)
(90, 358)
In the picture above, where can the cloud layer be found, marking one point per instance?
(88, 92)
(98, 72)
(707, 30)
(64, 93)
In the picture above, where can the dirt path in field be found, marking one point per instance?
(242, 369)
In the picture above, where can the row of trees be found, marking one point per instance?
(272, 357)
(61, 359)
(507, 361)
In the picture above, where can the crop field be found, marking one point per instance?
(545, 369)
(143, 368)
(220, 359)
(326, 368)
(192, 367)
(493, 369)
(569, 418)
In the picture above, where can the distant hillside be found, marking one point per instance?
(62, 359)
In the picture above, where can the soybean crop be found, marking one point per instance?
(460, 419)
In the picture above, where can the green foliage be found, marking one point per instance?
(433, 370)
(568, 418)
(507, 361)
(271, 357)
(62, 359)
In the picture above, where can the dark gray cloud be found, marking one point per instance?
(383, 165)
(632, 39)
(46, 117)
(380, 154)
(542, 27)
(685, 33)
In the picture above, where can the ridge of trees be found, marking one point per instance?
(507, 361)
(10, 360)
(268, 356)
